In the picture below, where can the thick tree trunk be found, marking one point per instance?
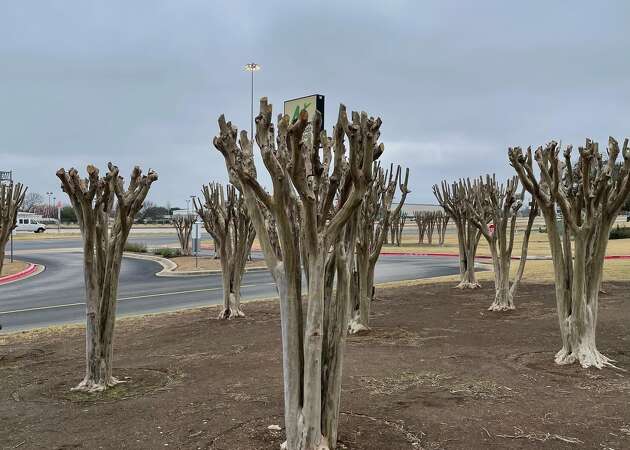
(311, 421)
(578, 322)
(2, 247)
(100, 321)
(468, 241)
(360, 318)
(503, 300)
(336, 323)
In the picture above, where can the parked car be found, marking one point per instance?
(29, 224)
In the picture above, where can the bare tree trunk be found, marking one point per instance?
(336, 324)
(370, 237)
(469, 239)
(503, 300)
(533, 212)
(445, 219)
(361, 317)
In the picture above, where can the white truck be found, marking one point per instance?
(29, 222)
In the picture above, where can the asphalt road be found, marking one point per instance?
(57, 295)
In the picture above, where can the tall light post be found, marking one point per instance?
(252, 67)
(49, 194)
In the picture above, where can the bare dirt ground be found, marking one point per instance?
(188, 263)
(9, 268)
(437, 371)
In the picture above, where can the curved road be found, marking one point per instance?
(57, 295)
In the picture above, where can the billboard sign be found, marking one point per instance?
(310, 103)
(6, 176)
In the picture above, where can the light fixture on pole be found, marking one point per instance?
(252, 67)
(49, 206)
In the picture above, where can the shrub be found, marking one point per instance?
(136, 247)
(167, 252)
(620, 233)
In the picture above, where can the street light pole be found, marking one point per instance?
(49, 194)
(195, 233)
(252, 67)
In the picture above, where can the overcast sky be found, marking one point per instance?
(455, 83)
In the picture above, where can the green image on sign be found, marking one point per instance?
(298, 110)
(310, 104)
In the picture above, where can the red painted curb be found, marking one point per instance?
(17, 276)
(455, 255)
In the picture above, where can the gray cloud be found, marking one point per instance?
(455, 83)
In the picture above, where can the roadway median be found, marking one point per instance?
(19, 270)
(183, 266)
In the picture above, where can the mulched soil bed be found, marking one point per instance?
(437, 371)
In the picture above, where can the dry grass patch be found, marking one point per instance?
(10, 268)
(538, 243)
(479, 389)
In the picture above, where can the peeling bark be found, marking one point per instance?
(93, 200)
(590, 195)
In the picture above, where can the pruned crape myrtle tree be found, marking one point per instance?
(441, 224)
(374, 220)
(496, 204)
(183, 226)
(428, 223)
(396, 227)
(11, 199)
(93, 199)
(431, 219)
(454, 200)
(421, 223)
(589, 198)
(320, 191)
(226, 219)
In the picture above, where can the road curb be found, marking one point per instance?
(169, 268)
(31, 270)
(455, 255)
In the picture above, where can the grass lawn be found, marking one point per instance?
(10, 268)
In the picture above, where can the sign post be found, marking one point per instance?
(7, 178)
